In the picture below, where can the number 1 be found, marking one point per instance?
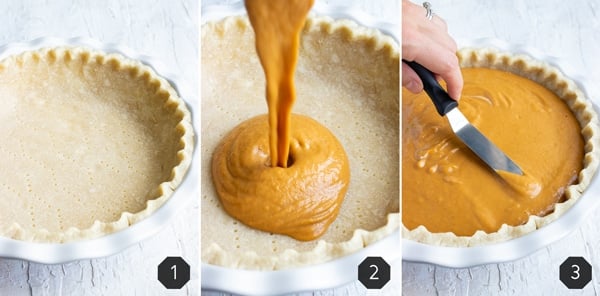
(174, 269)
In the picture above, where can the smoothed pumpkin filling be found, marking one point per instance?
(446, 188)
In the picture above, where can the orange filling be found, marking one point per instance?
(446, 188)
(294, 185)
(277, 26)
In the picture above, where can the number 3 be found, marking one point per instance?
(373, 277)
(575, 271)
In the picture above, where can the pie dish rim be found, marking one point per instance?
(459, 256)
(261, 282)
(120, 239)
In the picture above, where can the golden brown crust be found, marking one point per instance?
(84, 119)
(553, 79)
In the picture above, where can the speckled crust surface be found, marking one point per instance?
(347, 79)
(117, 140)
(566, 89)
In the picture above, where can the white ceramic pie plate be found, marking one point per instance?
(315, 277)
(529, 243)
(53, 253)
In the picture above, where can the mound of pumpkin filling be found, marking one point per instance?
(333, 188)
(531, 112)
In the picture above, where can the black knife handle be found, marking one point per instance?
(440, 98)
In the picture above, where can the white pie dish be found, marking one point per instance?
(54, 253)
(461, 257)
(312, 277)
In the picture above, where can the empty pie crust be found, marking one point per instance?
(92, 143)
(555, 81)
(347, 79)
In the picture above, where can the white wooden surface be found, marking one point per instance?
(565, 29)
(388, 11)
(166, 30)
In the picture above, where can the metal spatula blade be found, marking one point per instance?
(470, 135)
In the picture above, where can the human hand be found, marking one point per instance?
(427, 42)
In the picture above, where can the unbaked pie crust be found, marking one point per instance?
(347, 79)
(92, 143)
(554, 80)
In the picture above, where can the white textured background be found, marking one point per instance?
(569, 30)
(388, 11)
(166, 30)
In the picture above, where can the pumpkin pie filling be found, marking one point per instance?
(301, 200)
(446, 188)
(293, 188)
(346, 78)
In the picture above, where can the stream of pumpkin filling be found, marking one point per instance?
(446, 188)
(282, 173)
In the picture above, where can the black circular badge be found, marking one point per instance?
(374, 272)
(173, 272)
(575, 272)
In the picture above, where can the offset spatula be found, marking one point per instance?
(475, 140)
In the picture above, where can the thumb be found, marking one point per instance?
(411, 80)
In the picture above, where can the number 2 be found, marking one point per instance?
(373, 277)
(174, 269)
(575, 271)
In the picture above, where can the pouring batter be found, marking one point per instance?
(295, 184)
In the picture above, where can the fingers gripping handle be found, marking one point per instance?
(442, 101)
